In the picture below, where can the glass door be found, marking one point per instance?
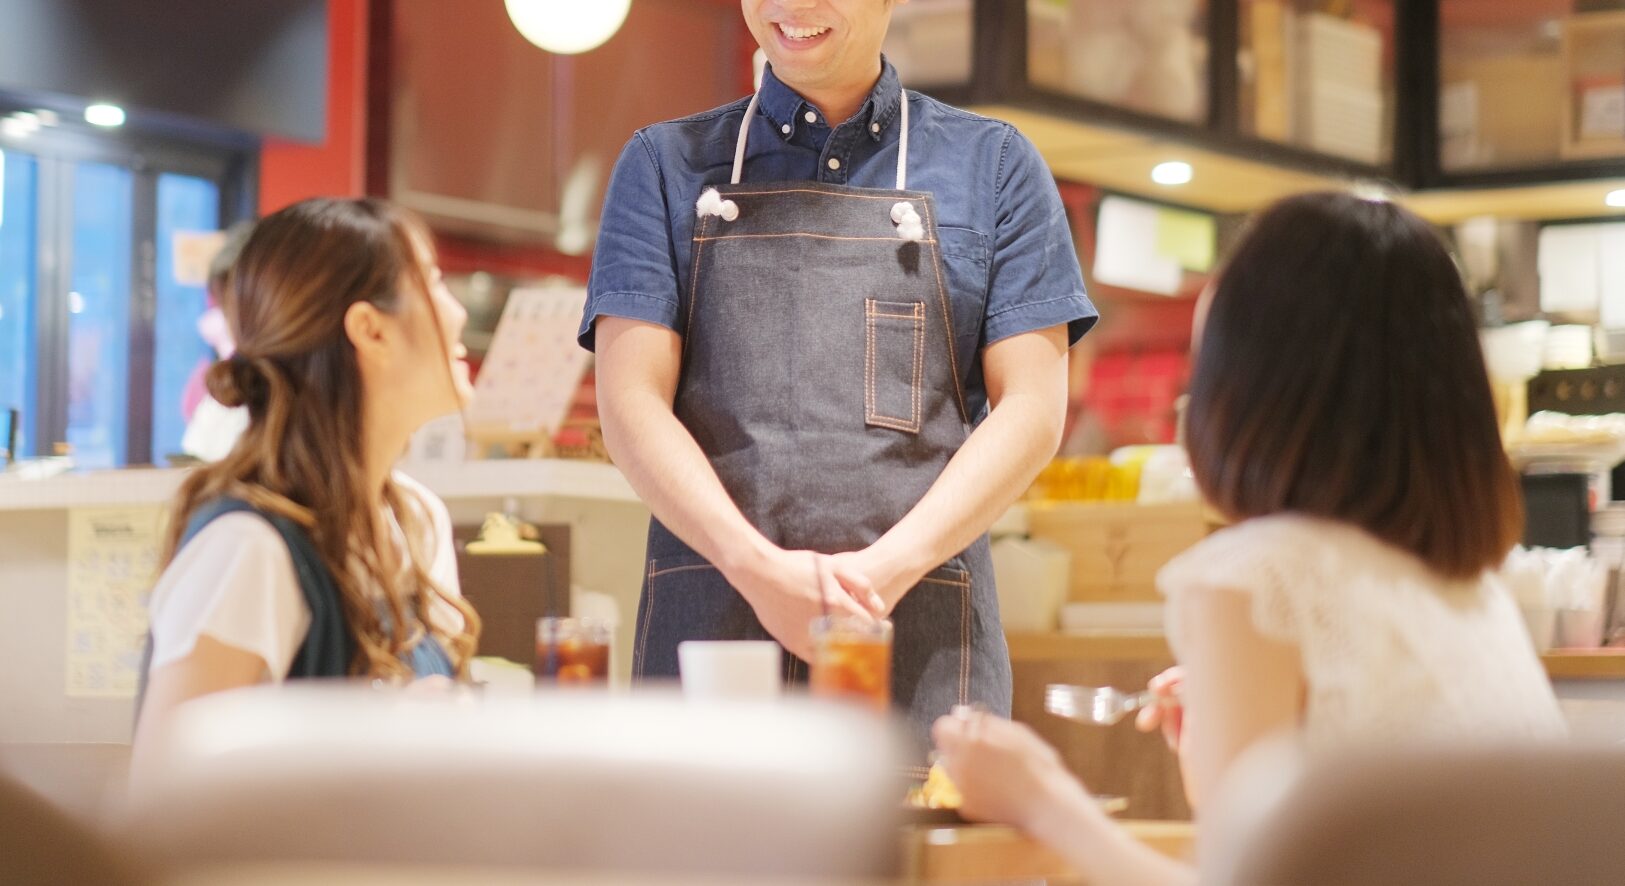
(188, 211)
(99, 315)
(105, 240)
(19, 236)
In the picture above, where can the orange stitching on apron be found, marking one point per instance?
(946, 581)
(919, 360)
(803, 234)
(892, 197)
(648, 619)
(964, 645)
(871, 408)
(691, 568)
(947, 317)
(694, 279)
(869, 364)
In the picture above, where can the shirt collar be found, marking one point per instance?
(787, 109)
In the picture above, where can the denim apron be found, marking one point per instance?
(820, 380)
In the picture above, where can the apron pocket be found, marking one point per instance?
(894, 364)
(686, 598)
(931, 655)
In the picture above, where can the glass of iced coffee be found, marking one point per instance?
(852, 660)
(572, 652)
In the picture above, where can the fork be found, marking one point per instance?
(1101, 706)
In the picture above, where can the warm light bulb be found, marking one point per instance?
(568, 27)
(106, 115)
(1174, 172)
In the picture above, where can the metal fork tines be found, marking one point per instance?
(1087, 704)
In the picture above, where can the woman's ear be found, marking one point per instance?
(368, 331)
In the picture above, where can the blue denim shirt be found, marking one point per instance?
(1006, 245)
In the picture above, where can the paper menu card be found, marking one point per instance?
(534, 365)
(112, 564)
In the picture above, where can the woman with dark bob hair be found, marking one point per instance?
(1341, 420)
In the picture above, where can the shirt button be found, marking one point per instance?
(810, 117)
(834, 163)
(874, 127)
(785, 129)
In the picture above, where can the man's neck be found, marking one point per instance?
(838, 103)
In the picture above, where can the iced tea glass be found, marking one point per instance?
(572, 651)
(852, 660)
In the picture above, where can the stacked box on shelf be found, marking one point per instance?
(1339, 77)
(1117, 549)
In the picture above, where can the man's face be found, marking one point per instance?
(820, 43)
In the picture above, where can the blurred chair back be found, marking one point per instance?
(1474, 817)
(43, 846)
(553, 782)
(79, 778)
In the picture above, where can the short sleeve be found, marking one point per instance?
(234, 582)
(634, 267)
(1256, 559)
(435, 519)
(1035, 281)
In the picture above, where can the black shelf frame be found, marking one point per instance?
(999, 76)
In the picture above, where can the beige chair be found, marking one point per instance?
(632, 784)
(41, 845)
(1483, 818)
(79, 778)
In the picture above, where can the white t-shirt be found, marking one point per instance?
(235, 582)
(1391, 651)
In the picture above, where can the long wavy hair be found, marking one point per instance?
(301, 455)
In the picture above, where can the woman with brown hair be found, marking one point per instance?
(1341, 419)
(302, 553)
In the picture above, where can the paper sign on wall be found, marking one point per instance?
(194, 251)
(112, 563)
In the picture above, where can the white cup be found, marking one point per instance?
(730, 668)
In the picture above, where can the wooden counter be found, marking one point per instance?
(1561, 664)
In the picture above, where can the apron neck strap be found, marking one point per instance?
(750, 116)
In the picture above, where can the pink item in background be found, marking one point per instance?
(214, 330)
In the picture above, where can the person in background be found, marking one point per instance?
(1340, 418)
(301, 554)
(212, 429)
(832, 322)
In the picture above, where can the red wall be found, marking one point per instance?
(292, 171)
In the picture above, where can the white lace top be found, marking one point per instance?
(1390, 650)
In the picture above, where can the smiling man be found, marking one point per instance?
(832, 322)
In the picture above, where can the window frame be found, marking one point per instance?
(229, 159)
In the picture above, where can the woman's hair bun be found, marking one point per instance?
(237, 381)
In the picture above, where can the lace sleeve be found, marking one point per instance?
(1264, 559)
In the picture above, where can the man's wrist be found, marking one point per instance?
(743, 558)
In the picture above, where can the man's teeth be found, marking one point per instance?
(795, 33)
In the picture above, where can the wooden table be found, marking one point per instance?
(961, 854)
(1561, 664)
(990, 853)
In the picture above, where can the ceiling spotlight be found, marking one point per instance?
(109, 116)
(1174, 172)
(568, 27)
(1616, 199)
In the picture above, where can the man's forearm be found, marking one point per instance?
(981, 481)
(670, 472)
